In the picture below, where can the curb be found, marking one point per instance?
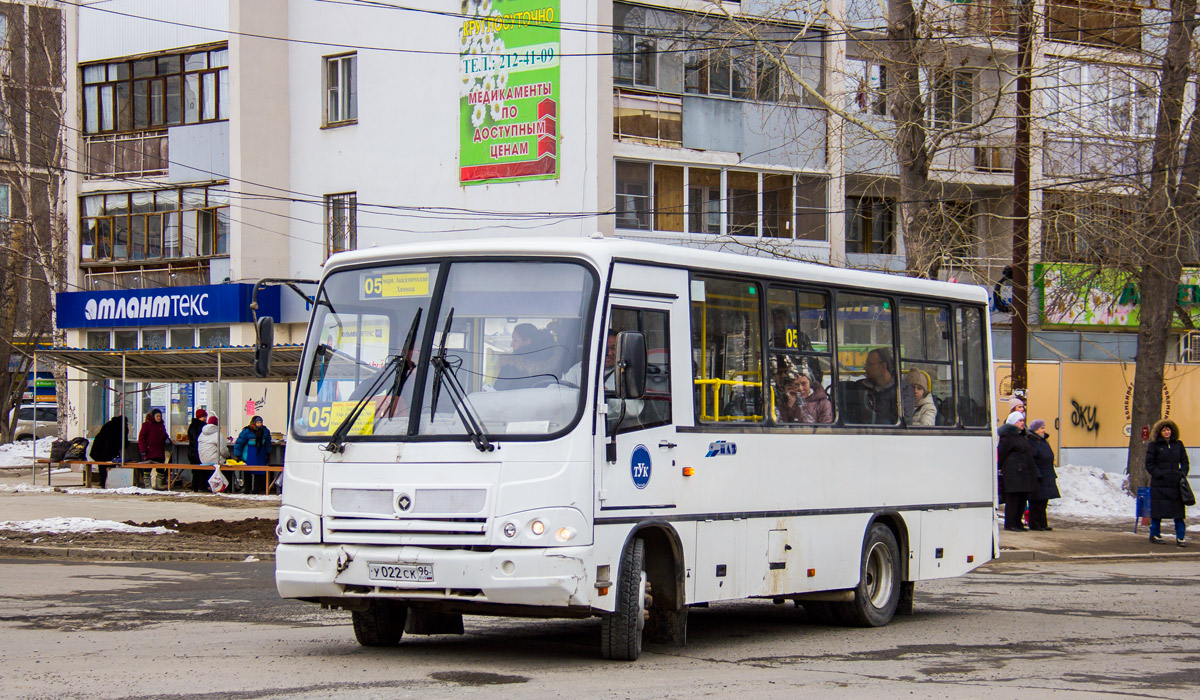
(1022, 555)
(90, 554)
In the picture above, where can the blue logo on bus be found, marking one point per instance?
(639, 466)
(721, 447)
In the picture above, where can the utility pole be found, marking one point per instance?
(1020, 266)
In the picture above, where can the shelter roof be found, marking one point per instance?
(179, 365)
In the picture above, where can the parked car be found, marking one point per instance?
(47, 421)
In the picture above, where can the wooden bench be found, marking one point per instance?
(274, 473)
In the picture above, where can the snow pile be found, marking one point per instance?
(20, 454)
(1091, 493)
(64, 526)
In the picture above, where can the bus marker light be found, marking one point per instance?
(604, 590)
(564, 534)
(688, 471)
(970, 558)
(537, 527)
(510, 530)
(812, 572)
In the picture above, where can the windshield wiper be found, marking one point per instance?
(337, 441)
(458, 395)
(392, 397)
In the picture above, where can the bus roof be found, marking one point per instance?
(601, 251)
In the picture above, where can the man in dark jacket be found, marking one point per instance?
(1167, 464)
(1047, 488)
(199, 476)
(1018, 473)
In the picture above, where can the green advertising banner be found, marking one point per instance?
(509, 96)
(1083, 295)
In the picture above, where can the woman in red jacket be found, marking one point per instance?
(152, 443)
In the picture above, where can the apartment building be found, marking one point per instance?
(222, 141)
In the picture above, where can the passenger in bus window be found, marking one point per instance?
(878, 390)
(924, 410)
(804, 401)
(786, 334)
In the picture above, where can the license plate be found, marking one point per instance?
(414, 573)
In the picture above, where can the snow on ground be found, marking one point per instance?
(63, 526)
(131, 491)
(20, 454)
(1091, 493)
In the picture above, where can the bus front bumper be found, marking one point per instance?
(551, 576)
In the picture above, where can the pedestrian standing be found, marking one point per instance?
(109, 445)
(1167, 464)
(152, 447)
(253, 447)
(1018, 473)
(1043, 458)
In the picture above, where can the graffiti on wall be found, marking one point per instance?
(1084, 417)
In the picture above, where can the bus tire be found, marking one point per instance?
(381, 624)
(878, 590)
(621, 630)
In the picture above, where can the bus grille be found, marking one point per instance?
(409, 531)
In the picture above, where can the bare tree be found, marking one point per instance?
(33, 255)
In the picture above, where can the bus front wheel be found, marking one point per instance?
(621, 630)
(878, 591)
(381, 624)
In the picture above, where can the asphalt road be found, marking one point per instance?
(196, 630)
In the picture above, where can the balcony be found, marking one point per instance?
(647, 118)
(144, 154)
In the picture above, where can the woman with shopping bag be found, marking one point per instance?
(208, 445)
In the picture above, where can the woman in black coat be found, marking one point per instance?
(1047, 488)
(1167, 464)
(109, 445)
(1018, 473)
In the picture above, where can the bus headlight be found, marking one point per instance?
(565, 534)
(510, 530)
(297, 526)
(537, 527)
(543, 527)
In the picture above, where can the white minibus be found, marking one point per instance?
(624, 430)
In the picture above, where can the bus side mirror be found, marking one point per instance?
(262, 350)
(630, 379)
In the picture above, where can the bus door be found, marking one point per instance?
(642, 478)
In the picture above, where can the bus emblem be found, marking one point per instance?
(721, 447)
(639, 466)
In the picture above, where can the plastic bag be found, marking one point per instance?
(217, 482)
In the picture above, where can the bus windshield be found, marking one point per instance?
(509, 362)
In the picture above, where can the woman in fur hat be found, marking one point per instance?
(1167, 464)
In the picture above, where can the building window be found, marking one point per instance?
(870, 225)
(953, 96)
(709, 201)
(1105, 24)
(1087, 228)
(341, 222)
(867, 85)
(635, 60)
(1100, 98)
(154, 93)
(154, 224)
(341, 89)
(633, 196)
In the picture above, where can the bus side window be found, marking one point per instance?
(972, 372)
(727, 350)
(870, 390)
(800, 362)
(654, 408)
(925, 362)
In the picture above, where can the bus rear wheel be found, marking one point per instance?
(621, 630)
(381, 624)
(878, 590)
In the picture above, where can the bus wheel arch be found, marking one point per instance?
(881, 576)
(899, 527)
(655, 550)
